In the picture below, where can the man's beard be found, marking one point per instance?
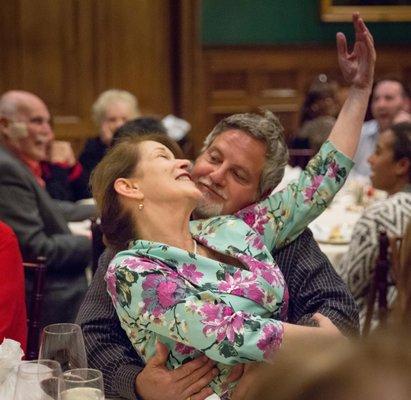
(207, 209)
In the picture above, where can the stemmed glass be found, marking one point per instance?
(81, 384)
(38, 380)
(64, 343)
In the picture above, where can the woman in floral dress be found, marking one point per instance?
(211, 286)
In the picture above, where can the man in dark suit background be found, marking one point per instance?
(40, 222)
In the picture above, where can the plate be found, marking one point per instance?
(333, 241)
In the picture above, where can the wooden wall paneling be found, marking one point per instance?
(132, 50)
(242, 79)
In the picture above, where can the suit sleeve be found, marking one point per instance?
(107, 345)
(20, 208)
(314, 286)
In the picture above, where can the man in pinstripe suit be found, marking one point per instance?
(229, 178)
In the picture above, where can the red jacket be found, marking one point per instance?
(12, 294)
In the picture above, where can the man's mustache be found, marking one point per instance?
(210, 185)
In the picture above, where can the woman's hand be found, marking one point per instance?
(357, 67)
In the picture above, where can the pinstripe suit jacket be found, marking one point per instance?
(313, 286)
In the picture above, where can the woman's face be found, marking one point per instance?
(384, 173)
(117, 114)
(162, 178)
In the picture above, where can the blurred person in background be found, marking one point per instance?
(390, 103)
(13, 323)
(377, 367)
(390, 171)
(111, 110)
(39, 222)
(318, 115)
(139, 126)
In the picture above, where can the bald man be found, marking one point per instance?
(40, 222)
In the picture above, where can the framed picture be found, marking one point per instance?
(371, 10)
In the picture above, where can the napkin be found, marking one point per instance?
(10, 358)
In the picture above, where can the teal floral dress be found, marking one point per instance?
(197, 305)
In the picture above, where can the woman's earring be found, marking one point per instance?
(140, 206)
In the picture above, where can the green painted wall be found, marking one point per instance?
(267, 22)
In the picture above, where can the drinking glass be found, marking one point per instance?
(81, 384)
(64, 343)
(38, 380)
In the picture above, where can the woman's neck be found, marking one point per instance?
(166, 224)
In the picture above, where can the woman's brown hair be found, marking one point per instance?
(120, 162)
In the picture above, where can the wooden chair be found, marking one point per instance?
(300, 157)
(97, 243)
(37, 269)
(387, 261)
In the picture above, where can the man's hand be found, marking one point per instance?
(326, 326)
(357, 67)
(61, 152)
(156, 382)
(251, 373)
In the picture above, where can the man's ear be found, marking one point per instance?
(403, 166)
(128, 189)
(13, 130)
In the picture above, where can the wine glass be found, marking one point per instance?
(38, 380)
(64, 343)
(81, 384)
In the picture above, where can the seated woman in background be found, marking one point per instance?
(318, 115)
(110, 111)
(391, 171)
(13, 323)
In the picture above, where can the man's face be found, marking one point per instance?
(384, 168)
(228, 173)
(117, 114)
(36, 117)
(387, 101)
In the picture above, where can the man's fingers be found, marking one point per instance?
(200, 383)
(160, 358)
(189, 368)
(207, 369)
(236, 373)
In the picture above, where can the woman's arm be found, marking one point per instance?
(282, 217)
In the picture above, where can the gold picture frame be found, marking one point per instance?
(331, 12)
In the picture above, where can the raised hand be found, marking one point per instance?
(357, 67)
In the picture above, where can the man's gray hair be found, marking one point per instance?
(10, 106)
(266, 128)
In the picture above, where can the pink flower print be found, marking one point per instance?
(249, 217)
(256, 217)
(190, 272)
(138, 264)
(183, 349)
(111, 285)
(270, 272)
(310, 190)
(333, 169)
(161, 292)
(241, 285)
(255, 241)
(271, 339)
(221, 320)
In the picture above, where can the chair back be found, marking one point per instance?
(97, 243)
(37, 269)
(387, 260)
